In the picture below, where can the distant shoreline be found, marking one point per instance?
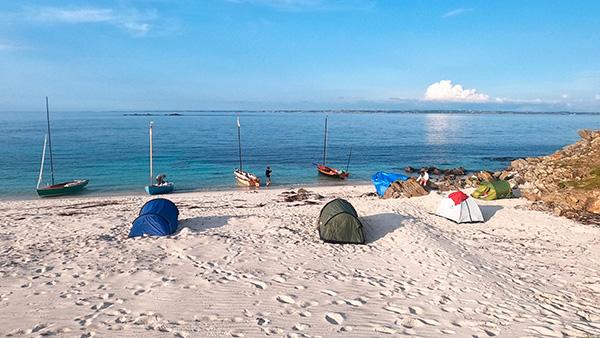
(482, 112)
(180, 112)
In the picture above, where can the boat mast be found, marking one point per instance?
(240, 142)
(151, 167)
(325, 147)
(349, 155)
(50, 141)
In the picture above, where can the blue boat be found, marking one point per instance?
(160, 187)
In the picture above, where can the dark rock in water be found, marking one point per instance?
(456, 171)
(408, 188)
(436, 171)
(410, 169)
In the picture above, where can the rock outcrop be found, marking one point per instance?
(408, 188)
(568, 181)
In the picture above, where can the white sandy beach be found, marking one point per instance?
(249, 264)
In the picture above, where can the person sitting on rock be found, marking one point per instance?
(423, 177)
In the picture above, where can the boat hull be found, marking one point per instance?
(246, 178)
(159, 189)
(332, 172)
(64, 188)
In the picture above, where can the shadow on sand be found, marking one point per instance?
(199, 224)
(378, 226)
(488, 211)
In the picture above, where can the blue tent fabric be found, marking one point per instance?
(150, 224)
(382, 180)
(158, 217)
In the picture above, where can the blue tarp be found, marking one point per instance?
(158, 217)
(382, 181)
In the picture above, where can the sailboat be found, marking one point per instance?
(55, 189)
(328, 171)
(155, 189)
(242, 176)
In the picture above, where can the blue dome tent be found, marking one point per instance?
(158, 217)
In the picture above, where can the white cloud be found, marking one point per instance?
(138, 23)
(597, 97)
(76, 16)
(445, 91)
(311, 4)
(456, 12)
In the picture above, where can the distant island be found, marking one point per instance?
(182, 112)
(149, 114)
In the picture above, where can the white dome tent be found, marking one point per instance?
(460, 208)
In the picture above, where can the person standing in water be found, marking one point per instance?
(268, 174)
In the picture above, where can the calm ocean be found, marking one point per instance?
(199, 149)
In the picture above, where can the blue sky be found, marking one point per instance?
(300, 54)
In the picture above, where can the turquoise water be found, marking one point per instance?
(199, 149)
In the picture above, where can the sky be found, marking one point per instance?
(510, 55)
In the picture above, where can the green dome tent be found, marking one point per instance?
(338, 223)
(493, 190)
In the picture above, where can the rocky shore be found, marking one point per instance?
(566, 183)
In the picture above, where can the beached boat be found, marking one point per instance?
(329, 171)
(159, 189)
(246, 178)
(55, 189)
(242, 176)
(155, 189)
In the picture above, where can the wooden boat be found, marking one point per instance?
(64, 188)
(55, 189)
(242, 176)
(155, 189)
(332, 172)
(246, 178)
(329, 171)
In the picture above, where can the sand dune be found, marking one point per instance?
(249, 264)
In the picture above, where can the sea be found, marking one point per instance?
(198, 150)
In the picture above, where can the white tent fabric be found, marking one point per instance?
(465, 212)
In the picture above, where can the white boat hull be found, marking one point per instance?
(246, 178)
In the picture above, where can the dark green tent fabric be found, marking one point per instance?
(338, 223)
(493, 190)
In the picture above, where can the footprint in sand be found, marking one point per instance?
(431, 322)
(329, 292)
(334, 318)
(140, 291)
(354, 303)
(544, 331)
(415, 310)
(411, 323)
(286, 299)
(385, 330)
(102, 306)
(447, 331)
(395, 310)
(300, 326)
(259, 284)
